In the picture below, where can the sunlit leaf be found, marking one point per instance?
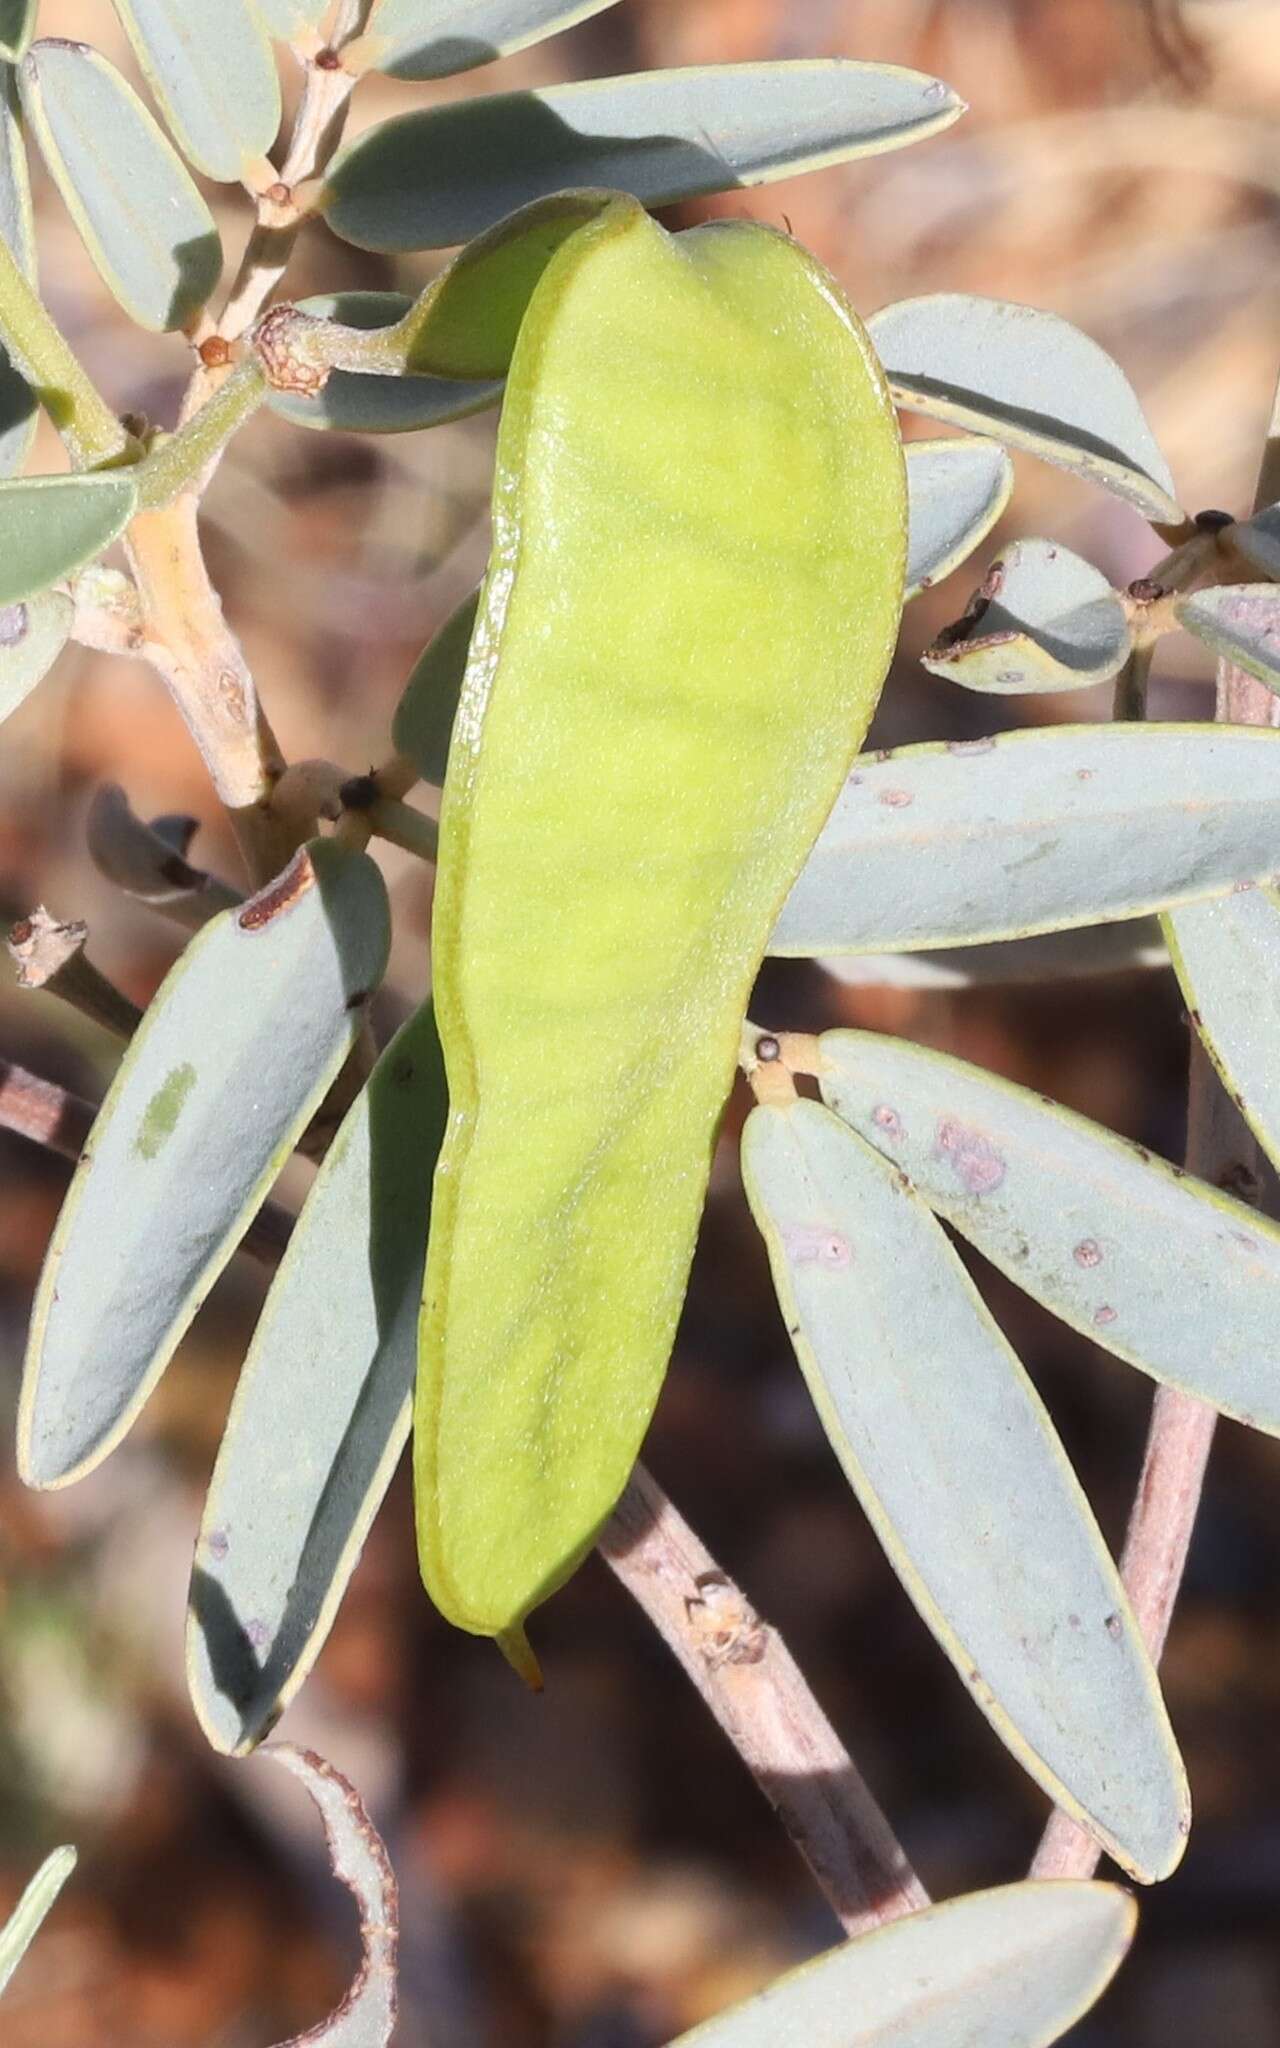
(425, 39)
(1227, 956)
(54, 524)
(28, 1916)
(32, 636)
(212, 70)
(231, 1059)
(440, 175)
(957, 489)
(360, 404)
(961, 1475)
(1030, 379)
(1126, 948)
(423, 722)
(17, 402)
(1241, 622)
(1034, 831)
(1042, 619)
(289, 18)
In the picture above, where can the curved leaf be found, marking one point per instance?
(961, 1475)
(956, 491)
(423, 722)
(28, 1916)
(424, 39)
(330, 1375)
(1052, 956)
(1258, 540)
(17, 26)
(17, 400)
(1031, 380)
(440, 175)
(1111, 1239)
(1227, 958)
(146, 227)
(213, 73)
(1042, 619)
(1241, 622)
(54, 524)
(150, 862)
(1013, 1968)
(352, 403)
(1034, 831)
(232, 1056)
(32, 636)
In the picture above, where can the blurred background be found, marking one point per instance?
(593, 1869)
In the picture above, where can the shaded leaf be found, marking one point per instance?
(1227, 958)
(957, 489)
(28, 1916)
(330, 1374)
(1042, 619)
(1051, 956)
(149, 861)
(17, 26)
(32, 636)
(1034, 831)
(1110, 1238)
(54, 524)
(213, 73)
(366, 2017)
(440, 175)
(424, 39)
(960, 1473)
(17, 401)
(1258, 540)
(354, 403)
(423, 722)
(146, 227)
(233, 1055)
(1033, 381)
(1012, 1968)
(1241, 622)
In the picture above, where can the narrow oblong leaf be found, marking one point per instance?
(32, 636)
(212, 70)
(1126, 948)
(1227, 958)
(1042, 619)
(423, 722)
(1110, 1238)
(150, 235)
(289, 18)
(150, 862)
(960, 1473)
(1258, 540)
(54, 524)
(438, 176)
(1034, 831)
(352, 403)
(366, 2017)
(425, 39)
(32, 1909)
(1010, 1968)
(233, 1055)
(1030, 379)
(330, 1373)
(17, 400)
(17, 26)
(956, 491)
(1241, 622)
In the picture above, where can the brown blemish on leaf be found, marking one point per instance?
(887, 1120)
(1114, 1627)
(895, 799)
(280, 895)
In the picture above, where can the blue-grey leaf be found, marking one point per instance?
(1258, 540)
(1034, 831)
(28, 1916)
(435, 38)
(423, 722)
(1227, 957)
(32, 636)
(54, 524)
(17, 401)
(956, 490)
(363, 404)
(232, 1057)
(1042, 619)
(213, 72)
(1241, 622)
(440, 175)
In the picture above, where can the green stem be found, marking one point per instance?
(94, 437)
(401, 825)
(178, 461)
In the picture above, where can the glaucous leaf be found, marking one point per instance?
(54, 524)
(1030, 379)
(1109, 1237)
(366, 2017)
(17, 26)
(31, 1911)
(1034, 831)
(423, 722)
(440, 175)
(149, 862)
(960, 1473)
(17, 401)
(956, 491)
(1241, 622)
(425, 39)
(1227, 958)
(1042, 619)
(355, 403)
(1051, 956)
(213, 72)
(330, 1375)
(1258, 540)
(233, 1055)
(1012, 1968)
(32, 636)
(146, 227)
(289, 18)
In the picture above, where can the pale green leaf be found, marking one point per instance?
(957, 489)
(17, 26)
(50, 525)
(213, 72)
(1031, 380)
(32, 636)
(960, 1473)
(1172, 1276)
(1227, 957)
(17, 401)
(231, 1059)
(354, 403)
(1042, 619)
(1241, 622)
(330, 1376)
(28, 1916)
(1126, 948)
(1034, 831)
(423, 722)
(440, 175)
(1012, 1968)
(146, 227)
(425, 39)
(289, 18)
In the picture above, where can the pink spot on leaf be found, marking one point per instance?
(974, 1159)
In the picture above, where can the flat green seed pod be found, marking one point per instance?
(697, 573)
